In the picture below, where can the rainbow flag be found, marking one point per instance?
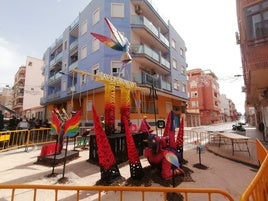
(108, 41)
(71, 126)
(55, 124)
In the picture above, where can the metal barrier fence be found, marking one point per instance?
(256, 191)
(101, 193)
(258, 188)
(24, 138)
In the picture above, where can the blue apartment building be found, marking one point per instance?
(158, 62)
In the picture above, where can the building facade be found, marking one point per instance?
(158, 62)
(18, 91)
(32, 89)
(204, 95)
(253, 40)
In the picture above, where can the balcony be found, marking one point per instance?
(73, 66)
(55, 78)
(146, 79)
(144, 49)
(73, 45)
(142, 23)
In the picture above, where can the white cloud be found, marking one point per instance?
(11, 60)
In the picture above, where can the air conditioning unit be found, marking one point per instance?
(138, 9)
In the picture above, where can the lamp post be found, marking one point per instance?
(153, 95)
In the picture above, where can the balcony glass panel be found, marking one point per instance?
(73, 65)
(164, 39)
(74, 44)
(165, 62)
(165, 85)
(59, 56)
(74, 23)
(140, 20)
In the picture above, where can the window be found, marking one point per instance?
(116, 69)
(173, 43)
(64, 85)
(257, 21)
(83, 52)
(181, 52)
(194, 94)
(83, 79)
(194, 104)
(30, 63)
(96, 16)
(95, 69)
(84, 27)
(117, 10)
(183, 70)
(95, 44)
(176, 84)
(193, 84)
(174, 63)
(65, 45)
(184, 87)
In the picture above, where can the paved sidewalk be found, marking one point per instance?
(18, 166)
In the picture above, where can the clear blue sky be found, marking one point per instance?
(29, 27)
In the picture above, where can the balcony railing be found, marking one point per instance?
(165, 85)
(141, 20)
(143, 49)
(74, 44)
(73, 65)
(55, 77)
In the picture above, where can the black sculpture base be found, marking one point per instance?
(49, 160)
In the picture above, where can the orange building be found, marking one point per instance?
(204, 100)
(253, 39)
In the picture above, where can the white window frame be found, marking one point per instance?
(174, 63)
(95, 69)
(84, 27)
(193, 84)
(117, 65)
(176, 84)
(95, 44)
(118, 10)
(96, 16)
(83, 52)
(83, 79)
(173, 43)
(184, 88)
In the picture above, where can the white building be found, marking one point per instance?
(32, 88)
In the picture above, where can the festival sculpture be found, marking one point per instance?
(120, 43)
(157, 154)
(162, 153)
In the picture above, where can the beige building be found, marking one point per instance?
(32, 88)
(27, 89)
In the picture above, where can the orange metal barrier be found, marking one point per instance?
(23, 138)
(258, 188)
(19, 192)
(261, 152)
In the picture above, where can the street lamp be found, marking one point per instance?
(153, 95)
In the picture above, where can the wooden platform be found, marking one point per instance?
(49, 160)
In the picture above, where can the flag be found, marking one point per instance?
(108, 41)
(71, 126)
(55, 124)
